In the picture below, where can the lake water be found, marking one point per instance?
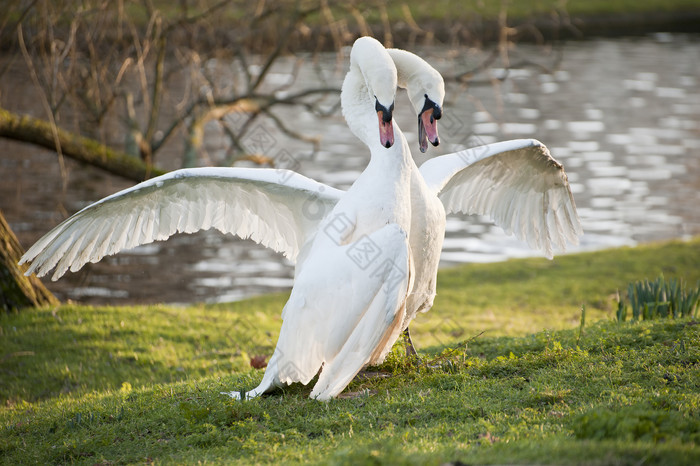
(622, 115)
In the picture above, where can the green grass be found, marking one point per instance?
(101, 385)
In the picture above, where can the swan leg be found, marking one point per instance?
(254, 393)
(410, 349)
(269, 382)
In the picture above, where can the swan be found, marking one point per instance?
(517, 183)
(426, 92)
(266, 205)
(351, 285)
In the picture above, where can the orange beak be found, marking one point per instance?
(427, 130)
(386, 130)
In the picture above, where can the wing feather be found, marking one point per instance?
(265, 205)
(518, 184)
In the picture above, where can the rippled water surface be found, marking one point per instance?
(623, 116)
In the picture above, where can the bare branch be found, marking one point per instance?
(156, 96)
(168, 69)
(45, 103)
(314, 140)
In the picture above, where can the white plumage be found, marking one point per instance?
(261, 204)
(517, 183)
(349, 297)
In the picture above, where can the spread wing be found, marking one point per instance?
(279, 209)
(518, 184)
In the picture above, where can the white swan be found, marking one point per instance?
(360, 264)
(351, 285)
(518, 184)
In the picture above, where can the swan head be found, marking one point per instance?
(427, 123)
(426, 91)
(376, 82)
(386, 128)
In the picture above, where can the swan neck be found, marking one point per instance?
(406, 65)
(356, 106)
(418, 78)
(370, 80)
(394, 162)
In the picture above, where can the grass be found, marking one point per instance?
(101, 385)
(659, 298)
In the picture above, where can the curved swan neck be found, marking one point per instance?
(418, 78)
(355, 102)
(371, 79)
(407, 65)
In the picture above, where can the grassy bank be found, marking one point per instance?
(139, 384)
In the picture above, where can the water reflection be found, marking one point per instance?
(623, 116)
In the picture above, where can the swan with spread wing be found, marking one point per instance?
(352, 281)
(517, 183)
